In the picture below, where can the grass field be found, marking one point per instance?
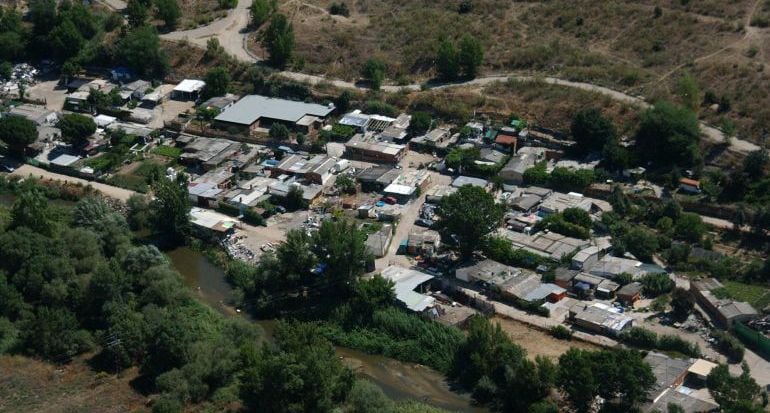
(168, 151)
(757, 296)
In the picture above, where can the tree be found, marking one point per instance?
(470, 55)
(447, 60)
(641, 243)
(689, 227)
(668, 136)
(374, 72)
(754, 164)
(577, 216)
(295, 258)
(69, 69)
(294, 199)
(341, 246)
(65, 40)
(140, 51)
(278, 131)
(420, 123)
(576, 379)
(734, 394)
(279, 40)
(469, 215)
(370, 295)
(217, 81)
(260, 10)
(592, 131)
(138, 212)
(6, 70)
(682, 303)
(17, 132)
(343, 101)
(76, 128)
(168, 11)
(170, 211)
(657, 284)
(137, 13)
(688, 90)
(31, 210)
(346, 184)
(55, 333)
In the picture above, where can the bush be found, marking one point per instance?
(380, 108)
(252, 218)
(229, 209)
(339, 9)
(640, 337)
(657, 284)
(168, 151)
(678, 344)
(560, 332)
(729, 345)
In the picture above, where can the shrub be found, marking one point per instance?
(640, 337)
(339, 9)
(560, 332)
(229, 209)
(657, 284)
(253, 218)
(678, 344)
(729, 345)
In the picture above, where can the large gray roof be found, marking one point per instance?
(252, 107)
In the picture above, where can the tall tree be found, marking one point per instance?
(260, 10)
(65, 40)
(217, 82)
(374, 72)
(76, 128)
(140, 51)
(734, 394)
(169, 12)
(420, 123)
(279, 40)
(31, 210)
(447, 60)
(341, 247)
(171, 210)
(668, 135)
(592, 131)
(17, 133)
(137, 13)
(469, 215)
(470, 55)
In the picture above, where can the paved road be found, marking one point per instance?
(109, 190)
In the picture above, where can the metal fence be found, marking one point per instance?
(753, 339)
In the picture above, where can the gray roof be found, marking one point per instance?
(406, 281)
(467, 180)
(253, 107)
(630, 289)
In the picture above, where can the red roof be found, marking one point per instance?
(505, 139)
(690, 182)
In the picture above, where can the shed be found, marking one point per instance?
(630, 293)
(188, 89)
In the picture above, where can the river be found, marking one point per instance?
(399, 380)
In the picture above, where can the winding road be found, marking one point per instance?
(232, 33)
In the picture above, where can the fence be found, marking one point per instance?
(753, 339)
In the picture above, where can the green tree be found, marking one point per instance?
(734, 394)
(138, 212)
(578, 217)
(6, 70)
(55, 333)
(17, 132)
(657, 284)
(447, 60)
(170, 211)
(341, 246)
(374, 72)
(420, 123)
(278, 132)
(469, 225)
(217, 81)
(279, 40)
(668, 135)
(76, 128)
(69, 70)
(294, 199)
(136, 11)
(754, 164)
(682, 303)
(168, 11)
(260, 11)
(346, 184)
(470, 55)
(641, 243)
(690, 227)
(140, 50)
(295, 257)
(366, 397)
(688, 90)
(592, 131)
(302, 375)
(342, 102)
(65, 40)
(31, 210)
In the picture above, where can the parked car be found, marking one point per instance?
(422, 222)
(389, 200)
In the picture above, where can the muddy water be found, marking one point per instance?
(397, 379)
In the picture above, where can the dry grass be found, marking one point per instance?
(199, 12)
(28, 385)
(621, 44)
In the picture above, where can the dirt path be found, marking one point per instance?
(111, 191)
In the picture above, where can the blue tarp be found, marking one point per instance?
(582, 286)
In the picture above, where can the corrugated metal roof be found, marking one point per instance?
(252, 107)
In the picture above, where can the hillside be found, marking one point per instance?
(630, 45)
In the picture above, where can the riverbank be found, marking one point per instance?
(399, 380)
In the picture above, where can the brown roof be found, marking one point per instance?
(691, 182)
(505, 139)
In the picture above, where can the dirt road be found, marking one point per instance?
(111, 191)
(230, 31)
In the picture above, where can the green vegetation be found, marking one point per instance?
(17, 132)
(592, 131)
(668, 136)
(168, 151)
(279, 132)
(572, 222)
(729, 345)
(657, 284)
(469, 225)
(279, 40)
(560, 332)
(76, 128)
(217, 81)
(560, 179)
(645, 339)
(260, 11)
(501, 250)
(735, 393)
(374, 72)
(757, 296)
